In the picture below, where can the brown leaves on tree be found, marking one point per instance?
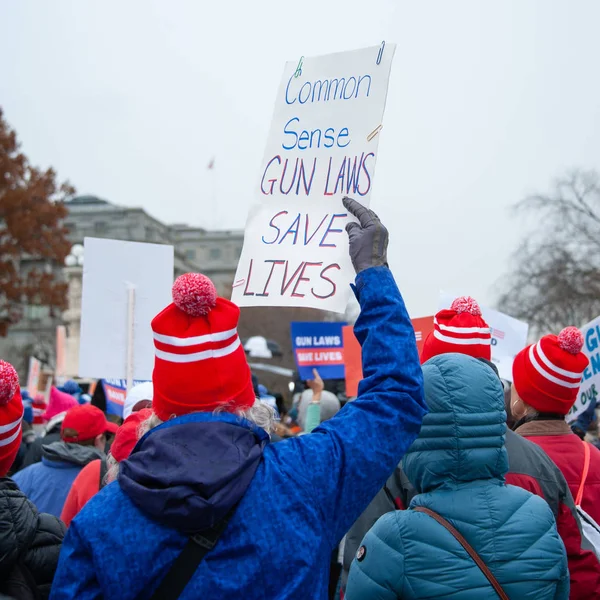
(555, 280)
(33, 242)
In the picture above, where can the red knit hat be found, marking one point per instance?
(461, 329)
(547, 375)
(127, 435)
(11, 415)
(200, 363)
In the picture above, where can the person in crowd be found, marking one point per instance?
(29, 541)
(194, 490)
(139, 397)
(60, 403)
(72, 388)
(83, 439)
(96, 474)
(28, 434)
(316, 393)
(546, 380)
(529, 468)
(458, 465)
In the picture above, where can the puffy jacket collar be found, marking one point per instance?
(462, 437)
(542, 427)
(188, 473)
(63, 454)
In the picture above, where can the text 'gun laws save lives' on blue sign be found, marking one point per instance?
(322, 146)
(590, 383)
(320, 346)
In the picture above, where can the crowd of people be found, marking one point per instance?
(439, 480)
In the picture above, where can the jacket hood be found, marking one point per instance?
(462, 436)
(59, 453)
(189, 472)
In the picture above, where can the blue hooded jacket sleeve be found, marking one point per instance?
(347, 459)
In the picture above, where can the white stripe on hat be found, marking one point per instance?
(461, 341)
(550, 365)
(12, 438)
(194, 341)
(11, 426)
(549, 376)
(198, 356)
(451, 329)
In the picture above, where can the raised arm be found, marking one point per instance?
(347, 459)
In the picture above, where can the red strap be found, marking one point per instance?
(586, 468)
(471, 552)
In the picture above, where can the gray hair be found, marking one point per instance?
(261, 414)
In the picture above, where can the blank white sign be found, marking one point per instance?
(111, 267)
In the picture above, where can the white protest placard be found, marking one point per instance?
(590, 383)
(322, 146)
(509, 335)
(112, 269)
(33, 376)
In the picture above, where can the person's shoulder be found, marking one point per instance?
(516, 501)
(25, 475)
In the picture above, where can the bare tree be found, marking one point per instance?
(555, 280)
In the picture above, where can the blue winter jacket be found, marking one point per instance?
(47, 483)
(457, 465)
(297, 498)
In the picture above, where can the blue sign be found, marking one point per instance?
(318, 346)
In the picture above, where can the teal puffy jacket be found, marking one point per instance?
(457, 465)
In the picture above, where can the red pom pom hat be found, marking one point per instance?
(11, 416)
(547, 375)
(460, 329)
(200, 363)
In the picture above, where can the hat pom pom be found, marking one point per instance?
(9, 382)
(571, 340)
(466, 304)
(194, 294)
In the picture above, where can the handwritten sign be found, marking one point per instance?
(322, 146)
(318, 345)
(590, 383)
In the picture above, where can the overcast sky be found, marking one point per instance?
(488, 101)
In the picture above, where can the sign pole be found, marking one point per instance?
(130, 334)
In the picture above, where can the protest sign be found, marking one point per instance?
(318, 346)
(352, 360)
(590, 383)
(509, 335)
(33, 376)
(322, 145)
(115, 391)
(115, 331)
(423, 326)
(60, 370)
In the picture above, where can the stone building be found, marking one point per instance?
(214, 253)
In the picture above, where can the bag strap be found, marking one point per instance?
(461, 540)
(185, 565)
(584, 474)
(103, 470)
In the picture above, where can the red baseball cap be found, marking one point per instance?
(84, 422)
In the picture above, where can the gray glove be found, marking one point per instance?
(368, 237)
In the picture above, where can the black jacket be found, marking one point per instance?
(29, 545)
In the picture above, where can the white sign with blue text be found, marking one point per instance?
(322, 146)
(590, 383)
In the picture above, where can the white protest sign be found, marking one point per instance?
(509, 335)
(590, 383)
(322, 145)
(111, 269)
(33, 377)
